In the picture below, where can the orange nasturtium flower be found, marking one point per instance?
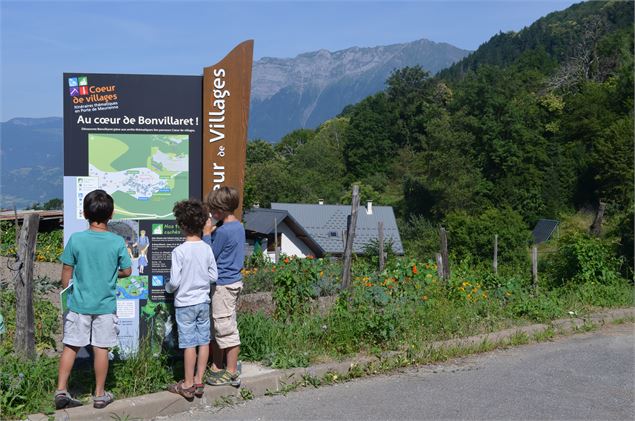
(286, 260)
(414, 269)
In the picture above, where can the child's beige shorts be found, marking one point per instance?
(99, 330)
(224, 303)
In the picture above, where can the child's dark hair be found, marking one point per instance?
(98, 206)
(191, 216)
(225, 199)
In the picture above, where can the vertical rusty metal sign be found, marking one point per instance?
(226, 90)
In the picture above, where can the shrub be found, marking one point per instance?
(473, 236)
(582, 258)
(295, 285)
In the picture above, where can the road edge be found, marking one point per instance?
(162, 404)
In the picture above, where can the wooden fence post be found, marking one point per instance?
(444, 253)
(380, 229)
(439, 265)
(534, 268)
(24, 344)
(495, 254)
(276, 250)
(350, 237)
(596, 227)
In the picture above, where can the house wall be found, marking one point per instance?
(291, 244)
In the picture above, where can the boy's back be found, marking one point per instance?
(96, 258)
(228, 244)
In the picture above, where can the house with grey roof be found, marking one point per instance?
(263, 225)
(327, 224)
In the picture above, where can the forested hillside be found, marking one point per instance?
(534, 124)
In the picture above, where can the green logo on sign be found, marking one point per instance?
(157, 229)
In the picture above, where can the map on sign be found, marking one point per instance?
(144, 173)
(132, 288)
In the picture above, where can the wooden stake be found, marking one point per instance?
(495, 254)
(350, 237)
(534, 268)
(439, 265)
(444, 253)
(24, 344)
(596, 227)
(275, 239)
(380, 236)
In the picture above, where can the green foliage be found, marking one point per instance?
(473, 236)
(141, 373)
(26, 386)
(582, 258)
(48, 248)
(46, 322)
(295, 285)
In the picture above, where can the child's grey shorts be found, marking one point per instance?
(100, 330)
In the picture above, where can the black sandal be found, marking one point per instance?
(63, 399)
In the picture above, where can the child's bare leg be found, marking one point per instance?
(100, 356)
(66, 365)
(189, 361)
(217, 357)
(201, 364)
(232, 358)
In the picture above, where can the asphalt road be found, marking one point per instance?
(586, 376)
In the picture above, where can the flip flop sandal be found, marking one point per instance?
(200, 388)
(103, 401)
(63, 399)
(187, 393)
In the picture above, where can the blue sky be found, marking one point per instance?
(41, 40)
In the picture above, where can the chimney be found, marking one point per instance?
(320, 201)
(369, 207)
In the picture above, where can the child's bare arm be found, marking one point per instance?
(124, 273)
(67, 274)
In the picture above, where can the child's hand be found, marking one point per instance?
(209, 227)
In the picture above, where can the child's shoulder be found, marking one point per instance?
(232, 227)
(88, 235)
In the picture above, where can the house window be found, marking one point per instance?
(333, 234)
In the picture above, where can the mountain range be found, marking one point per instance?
(305, 91)
(287, 94)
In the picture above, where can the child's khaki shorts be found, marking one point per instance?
(224, 303)
(99, 330)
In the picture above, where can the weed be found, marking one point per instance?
(122, 417)
(547, 334)
(246, 394)
(622, 320)
(225, 401)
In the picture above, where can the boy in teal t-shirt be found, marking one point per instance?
(94, 259)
